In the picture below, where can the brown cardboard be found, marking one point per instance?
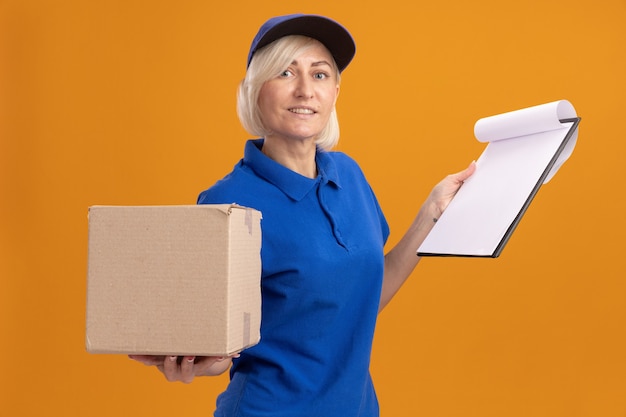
(173, 280)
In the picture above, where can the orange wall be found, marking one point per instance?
(132, 102)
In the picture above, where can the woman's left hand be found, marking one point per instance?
(446, 189)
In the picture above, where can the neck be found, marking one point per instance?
(298, 156)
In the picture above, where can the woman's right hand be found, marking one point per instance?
(186, 368)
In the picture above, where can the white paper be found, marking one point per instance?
(524, 122)
(521, 146)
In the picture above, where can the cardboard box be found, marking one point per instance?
(173, 280)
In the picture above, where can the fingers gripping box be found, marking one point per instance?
(173, 280)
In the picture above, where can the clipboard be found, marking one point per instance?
(526, 148)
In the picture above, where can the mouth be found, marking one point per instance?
(301, 110)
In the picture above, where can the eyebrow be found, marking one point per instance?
(314, 64)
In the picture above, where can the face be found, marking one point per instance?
(298, 102)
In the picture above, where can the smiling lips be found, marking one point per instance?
(300, 110)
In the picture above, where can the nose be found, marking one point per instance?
(304, 88)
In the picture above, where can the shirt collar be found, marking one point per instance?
(296, 186)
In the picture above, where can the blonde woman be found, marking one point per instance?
(325, 275)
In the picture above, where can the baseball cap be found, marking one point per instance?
(331, 34)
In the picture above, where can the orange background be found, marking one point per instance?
(133, 102)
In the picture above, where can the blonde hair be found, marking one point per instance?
(266, 64)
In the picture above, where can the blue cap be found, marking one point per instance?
(331, 34)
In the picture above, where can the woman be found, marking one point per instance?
(324, 274)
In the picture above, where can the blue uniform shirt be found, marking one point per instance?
(322, 270)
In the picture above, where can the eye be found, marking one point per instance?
(320, 75)
(286, 73)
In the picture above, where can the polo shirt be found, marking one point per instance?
(322, 270)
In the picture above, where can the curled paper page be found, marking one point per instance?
(528, 121)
